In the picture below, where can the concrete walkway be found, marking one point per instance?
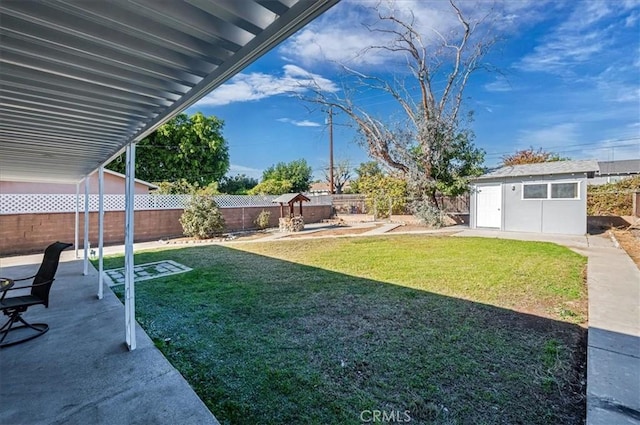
(613, 357)
(80, 372)
(613, 354)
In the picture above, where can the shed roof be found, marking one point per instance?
(543, 169)
(288, 198)
(621, 167)
(79, 81)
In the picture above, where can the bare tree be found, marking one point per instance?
(341, 175)
(429, 144)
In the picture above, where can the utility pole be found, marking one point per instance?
(331, 186)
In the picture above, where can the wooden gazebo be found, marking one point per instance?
(291, 199)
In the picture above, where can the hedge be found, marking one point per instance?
(613, 198)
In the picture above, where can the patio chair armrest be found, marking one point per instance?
(24, 278)
(14, 288)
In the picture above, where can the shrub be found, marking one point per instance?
(612, 198)
(262, 221)
(429, 214)
(383, 193)
(202, 218)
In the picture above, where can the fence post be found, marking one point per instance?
(242, 218)
(390, 207)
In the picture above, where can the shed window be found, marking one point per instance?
(534, 191)
(564, 190)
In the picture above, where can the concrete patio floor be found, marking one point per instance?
(81, 372)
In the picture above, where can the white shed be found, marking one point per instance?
(548, 197)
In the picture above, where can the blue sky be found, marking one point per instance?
(569, 82)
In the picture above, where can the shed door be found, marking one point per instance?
(488, 206)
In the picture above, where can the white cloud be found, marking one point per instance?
(257, 85)
(241, 169)
(618, 83)
(340, 35)
(587, 31)
(609, 150)
(569, 140)
(555, 135)
(303, 123)
(498, 85)
(631, 20)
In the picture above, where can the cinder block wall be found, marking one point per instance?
(25, 233)
(244, 218)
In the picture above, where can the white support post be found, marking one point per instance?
(129, 281)
(100, 232)
(75, 241)
(86, 226)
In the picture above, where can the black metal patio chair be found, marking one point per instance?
(13, 307)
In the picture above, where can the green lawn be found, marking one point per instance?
(445, 330)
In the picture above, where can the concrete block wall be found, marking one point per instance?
(244, 218)
(27, 233)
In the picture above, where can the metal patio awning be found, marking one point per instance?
(81, 80)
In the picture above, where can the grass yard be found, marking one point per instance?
(440, 330)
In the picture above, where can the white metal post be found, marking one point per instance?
(86, 226)
(129, 281)
(100, 231)
(75, 241)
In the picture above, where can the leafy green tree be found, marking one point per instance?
(297, 172)
(383, 192)
(531, 156)
(183, 187)
(178, 187)
(186, 147)
(365, 169)
(239, 184)
(272, 187)
(458, 162)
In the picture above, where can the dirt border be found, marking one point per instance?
(629, 240)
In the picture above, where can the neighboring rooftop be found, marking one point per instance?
(621, 167)
(543, 169)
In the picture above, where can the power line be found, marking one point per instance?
(579, 145)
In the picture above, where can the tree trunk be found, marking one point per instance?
(434, 199)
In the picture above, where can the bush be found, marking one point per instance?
(383, 193)
(202, 218)
(262, 221)
(429, 214)
(612, 198)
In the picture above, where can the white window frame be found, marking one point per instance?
(549, 183)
